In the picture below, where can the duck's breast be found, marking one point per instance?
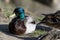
(20, 27)
(17, 27)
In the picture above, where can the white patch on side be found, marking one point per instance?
(30, 28)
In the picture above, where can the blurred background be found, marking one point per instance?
(36, 7)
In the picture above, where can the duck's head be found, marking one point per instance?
(19, 12)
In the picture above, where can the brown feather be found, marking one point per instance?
(17, 26)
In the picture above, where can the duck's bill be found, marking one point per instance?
(11, 16)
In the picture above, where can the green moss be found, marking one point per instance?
(7, 14)
(38, 18)
(38, 32)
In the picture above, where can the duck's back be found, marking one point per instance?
(16, 26)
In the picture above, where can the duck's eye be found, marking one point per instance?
(33, 22)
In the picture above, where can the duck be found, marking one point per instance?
(21, 24)
(51, 20)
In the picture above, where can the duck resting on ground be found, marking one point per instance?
(21, 24)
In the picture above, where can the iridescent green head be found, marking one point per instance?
(19, 12)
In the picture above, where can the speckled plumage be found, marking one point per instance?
(16, 26)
